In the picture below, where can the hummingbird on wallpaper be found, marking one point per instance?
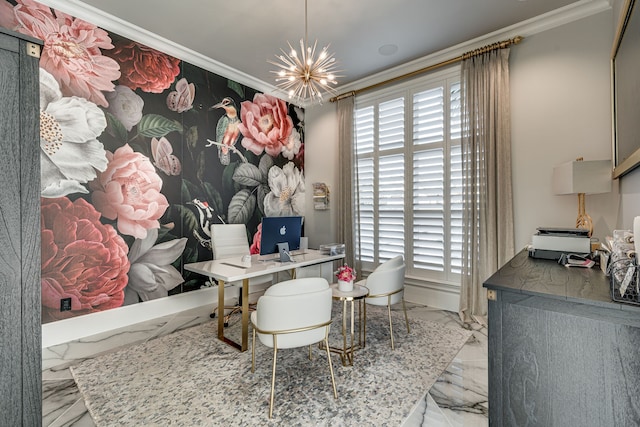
(227, 132)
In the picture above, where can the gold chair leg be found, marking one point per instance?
(253, 351)
(390, 323)
(364, 328)
(406, 318)
(326, 346)
(273, 375)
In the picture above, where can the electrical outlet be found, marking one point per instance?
(492, 295)
(65, 304)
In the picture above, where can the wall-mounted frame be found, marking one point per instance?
(320, 196)
(625, 63)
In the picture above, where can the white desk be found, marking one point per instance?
(232, 269)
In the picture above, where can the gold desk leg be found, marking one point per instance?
(245, 315)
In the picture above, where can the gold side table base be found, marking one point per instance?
(347, 351)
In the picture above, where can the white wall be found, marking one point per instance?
(560, 109)
(321, 165)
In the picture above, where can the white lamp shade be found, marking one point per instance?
(586, 176)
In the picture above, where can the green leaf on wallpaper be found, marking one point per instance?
(157, 126)
(182, 215)
(263, 190)
(241, 207)
(266, 162)
(115, 127)
(166, 233)
(202, 167)
(189, 191)
(236, 87)
(192, 136)
(213, 197)
(189, 255)
(248, 175)
(227, 178)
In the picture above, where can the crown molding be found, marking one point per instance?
(567, 14)
(123, 28)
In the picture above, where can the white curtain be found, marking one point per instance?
(488, 237)
(347, 182)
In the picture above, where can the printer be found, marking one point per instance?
(552, 242)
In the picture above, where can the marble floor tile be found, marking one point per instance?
(459, 398)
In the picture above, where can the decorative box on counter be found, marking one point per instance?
(623, 268)
(332, 249)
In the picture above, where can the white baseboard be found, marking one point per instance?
(444, 299)
(77, 328)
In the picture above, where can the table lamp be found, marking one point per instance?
(582, 177)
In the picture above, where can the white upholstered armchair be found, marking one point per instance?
(386, 287)
(294, 313)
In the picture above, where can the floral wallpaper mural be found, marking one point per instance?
(140, 153)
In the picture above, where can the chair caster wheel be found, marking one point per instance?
(226, 324)
(212, 315)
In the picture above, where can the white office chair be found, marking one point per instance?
(230, 240)
(386, 287)
(290, 314)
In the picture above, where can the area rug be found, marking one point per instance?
(190, 378)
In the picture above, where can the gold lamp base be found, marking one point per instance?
(583, 220)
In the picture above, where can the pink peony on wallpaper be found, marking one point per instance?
(140, 153)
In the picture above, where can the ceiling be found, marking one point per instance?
(245, 34)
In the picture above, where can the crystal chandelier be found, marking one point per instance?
(304, 75)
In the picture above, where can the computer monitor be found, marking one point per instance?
(280, 229)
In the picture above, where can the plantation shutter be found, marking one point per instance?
(410, 177)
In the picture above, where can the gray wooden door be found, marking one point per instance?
(20, 323)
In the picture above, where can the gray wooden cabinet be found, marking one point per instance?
(20, 319)
(561, 353)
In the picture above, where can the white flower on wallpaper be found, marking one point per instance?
(287, 192)
(292, 147)
(126, 106)
(151, 274)
(70, 151)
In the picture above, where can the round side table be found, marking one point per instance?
(357, 294)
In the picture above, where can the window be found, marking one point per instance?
(409, 188)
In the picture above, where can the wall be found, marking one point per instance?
(131, 183)
(560, 106)
(322, 128)
(560, 110)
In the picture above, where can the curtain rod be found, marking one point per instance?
(494, 46)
